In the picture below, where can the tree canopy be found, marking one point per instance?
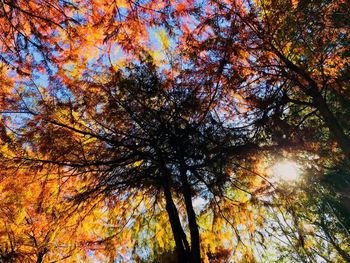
(174, 131)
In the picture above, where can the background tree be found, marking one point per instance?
(286, 49)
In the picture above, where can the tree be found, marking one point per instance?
(138, 130)
(311, 227)
(195, 117)
(30, 28)
(280, 48)
(38, 224)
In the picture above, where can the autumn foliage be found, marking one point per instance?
(148, 131)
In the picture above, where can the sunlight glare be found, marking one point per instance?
(286, 171)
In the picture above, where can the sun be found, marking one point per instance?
(286, 171)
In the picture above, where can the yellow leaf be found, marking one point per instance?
(122, 3)
(164, 39)
(137, 163)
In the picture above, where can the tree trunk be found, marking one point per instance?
(40, 257)
(181, 243)
(182, 246)
(331, 122)
(319, 102)
(191, 215)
